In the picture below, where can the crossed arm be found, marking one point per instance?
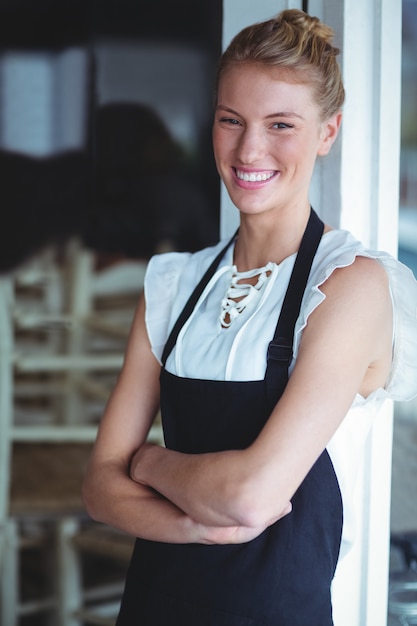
(110, 495)
(232, 496)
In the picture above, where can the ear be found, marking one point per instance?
(329, 132)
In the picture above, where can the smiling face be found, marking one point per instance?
(267, 134)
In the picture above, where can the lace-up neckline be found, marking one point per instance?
(239, 294)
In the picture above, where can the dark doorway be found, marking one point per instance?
(105, 125)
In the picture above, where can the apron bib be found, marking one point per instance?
(281, 578)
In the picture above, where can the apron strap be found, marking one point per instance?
(280, 351)
(192, 301)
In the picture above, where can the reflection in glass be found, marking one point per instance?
(73, 76)
(146, 198)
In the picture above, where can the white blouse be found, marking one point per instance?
(207, 349)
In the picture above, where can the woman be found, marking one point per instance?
(242, 517)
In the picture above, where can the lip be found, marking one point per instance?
(253, 184)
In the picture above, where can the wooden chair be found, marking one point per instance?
(47, 425)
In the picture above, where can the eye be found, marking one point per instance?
(229, 120)
(282, 126)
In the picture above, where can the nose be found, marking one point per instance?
(251, 146)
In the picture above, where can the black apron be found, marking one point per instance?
(281, 578)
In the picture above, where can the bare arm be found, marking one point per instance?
(345, 349)
(110, 495)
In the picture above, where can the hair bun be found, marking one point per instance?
(307, 24)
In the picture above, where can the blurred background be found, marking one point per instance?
(105, 115)
(105, 159)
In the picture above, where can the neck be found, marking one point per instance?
(262, 240)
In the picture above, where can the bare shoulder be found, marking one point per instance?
(356, 294)
(365, 275)
(139, 362)
(357, 312)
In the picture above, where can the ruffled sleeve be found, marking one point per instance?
(161, 286)
(169, 281)
(402, 384)
(339, 249)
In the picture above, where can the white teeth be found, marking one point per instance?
(254, 176)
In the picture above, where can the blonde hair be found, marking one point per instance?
(295, 42)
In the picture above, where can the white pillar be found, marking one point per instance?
(369, 178)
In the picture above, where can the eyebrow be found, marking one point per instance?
(271, 116)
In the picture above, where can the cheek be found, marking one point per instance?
(216, 142)
(305, 152)
(217, 150)
(221, 145)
